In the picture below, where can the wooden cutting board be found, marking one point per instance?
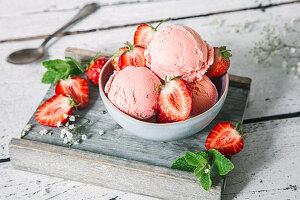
(117, 159)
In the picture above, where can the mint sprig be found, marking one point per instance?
(59, 69)
(200, 163)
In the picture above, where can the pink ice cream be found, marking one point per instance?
(134, 91)
(204, 94)
(179, 51)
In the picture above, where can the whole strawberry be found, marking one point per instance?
(93, 71)
(221, 62)
(225, 138)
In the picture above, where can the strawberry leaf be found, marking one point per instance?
(222, 165)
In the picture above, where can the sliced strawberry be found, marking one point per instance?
(53, 110)
(163, 119)
(115, 61)
(93, 71)
(225, 138)
(221, 62)
(175, 100)
(77, 88)
(133, 56)
(144, 35)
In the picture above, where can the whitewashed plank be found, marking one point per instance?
(26, 24)
(268, 166)
(24, 101)
(15, 184)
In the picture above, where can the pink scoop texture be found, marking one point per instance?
(205, 95)
(179, 51)
(134, 91)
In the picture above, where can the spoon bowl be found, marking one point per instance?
(25, 56)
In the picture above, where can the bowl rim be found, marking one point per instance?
(103, 95)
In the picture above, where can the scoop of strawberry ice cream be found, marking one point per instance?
(179, 51)
(134, 91)
(204, 95)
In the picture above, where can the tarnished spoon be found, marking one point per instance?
(25, 56)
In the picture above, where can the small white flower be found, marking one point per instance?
(65, 140)
(71, 126)
(292, 50)
(206, 171)
(58, 124)
(69, 135)
(65, 116)
(28, 127)
(284, 64)
(72, 118)
(43, 132)
(67, 124)
(83, 137)
(101, 132)
(50, 132)
(62, 135)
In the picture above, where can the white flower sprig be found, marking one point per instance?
(281, 43)
(72, 134)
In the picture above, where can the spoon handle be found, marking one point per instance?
(85, 11)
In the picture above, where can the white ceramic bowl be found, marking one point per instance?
(163, 131)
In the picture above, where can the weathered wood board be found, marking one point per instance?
(119, 160)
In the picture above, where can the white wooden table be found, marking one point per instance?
(267, 168)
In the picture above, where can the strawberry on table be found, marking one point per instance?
(221, 62)
(93, 71)
(145, 33)
(225, 138)
(133, 56)
(175, 99)
(115, 60)
(53, 110)
(76, 87)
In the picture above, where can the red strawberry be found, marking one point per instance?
(53, 110)
(225, 138)
(163, 119)
(115, 61)
(76, 87)
(133, 56)
(221, 62)
(175, 100)
(144, 35)
(93, 71)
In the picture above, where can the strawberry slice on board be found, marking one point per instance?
(175, 99)
(93, 71)
(225, 138)
(133, 56)
(53, 110)
(221, 62)
(117, 55)
(76, 87)
(145, 33)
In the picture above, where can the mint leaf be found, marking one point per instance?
(222, 165)
(199, 170)
(205, 180)
(49, 77)
(57, 66)
(74, 69)
(192, 159)
(181, 164)
(77, 64)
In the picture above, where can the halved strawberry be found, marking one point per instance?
(175, 100)
(225, 138)
(53, 110)
(117, 55)
(76, 87)
(133, 56)
(163, 119)
(145, 33)
(93, 71)
(221, 62)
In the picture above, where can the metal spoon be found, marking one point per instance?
(25, 56)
